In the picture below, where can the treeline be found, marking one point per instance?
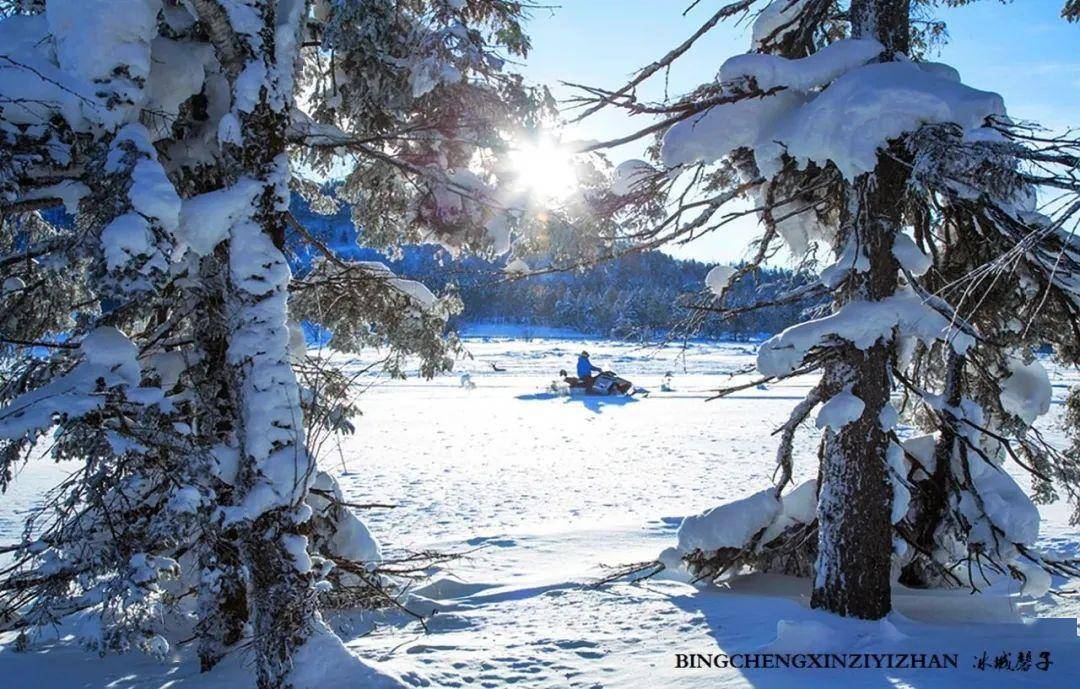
(637, 296)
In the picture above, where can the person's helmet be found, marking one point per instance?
(585, 354)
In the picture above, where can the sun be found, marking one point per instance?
(543, 169)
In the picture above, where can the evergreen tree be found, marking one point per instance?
(155, 334)
(846, 139)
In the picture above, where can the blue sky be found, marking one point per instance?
(1022, 50)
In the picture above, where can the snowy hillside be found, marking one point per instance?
(543, 491)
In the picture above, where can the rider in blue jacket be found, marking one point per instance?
(585, 368)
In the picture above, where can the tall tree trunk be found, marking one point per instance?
(222, 588)
(264, 524)
(282, 600)
(275, 468)
(855, 503)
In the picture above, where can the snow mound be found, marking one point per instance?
(177, 72)
(717, 279)
(922, 447)
(1006, 506)
(205, 218)
(416, 291)
(724, 128)
(106, 44)
(628, 175)
(804, 74)
(1026, 392)
(729, 526)
(68, 191)
(822, 100)
(125, 238)
(798, 506)
(1037, 581)
(351, 539)
(517, 267)
(862, 323)
(841, 409)
(910, 257)
(108, 356)
(153, 195)
(24, 40)
(898, 473)
(880, 102)
(324, 662)
(94, 43)
(110, 349)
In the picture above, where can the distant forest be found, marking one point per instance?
(637, 296)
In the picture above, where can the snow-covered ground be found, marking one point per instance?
(544, 491)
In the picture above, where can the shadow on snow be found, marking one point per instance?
(593, 403)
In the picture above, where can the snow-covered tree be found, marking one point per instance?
(152, 333)
(943, 234)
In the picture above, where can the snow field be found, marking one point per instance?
(543, 491)
(551, 489)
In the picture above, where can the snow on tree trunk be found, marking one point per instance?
(852, 573)
(854, 505)
(267, 518)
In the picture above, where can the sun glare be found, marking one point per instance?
(544, 169)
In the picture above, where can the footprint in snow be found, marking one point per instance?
(492, 540)
(447, 589)
(571, 644)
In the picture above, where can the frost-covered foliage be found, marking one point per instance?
(363, 305)
(943, 232)
(152, 334)
(442, 60)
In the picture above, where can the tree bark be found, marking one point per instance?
(222, 588)
(887, 21)
(931, 497)
(282, 601)
(264, 519)
(855, 503)
(852, 575)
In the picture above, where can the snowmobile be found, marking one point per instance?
(606, 383)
